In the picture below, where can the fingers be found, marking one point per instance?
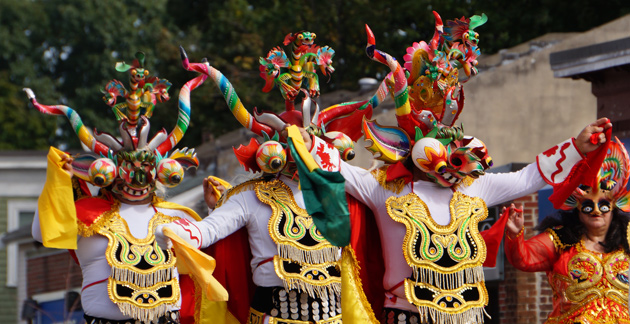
(603, 123)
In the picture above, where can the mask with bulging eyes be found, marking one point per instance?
(447, 165)
(589, 207)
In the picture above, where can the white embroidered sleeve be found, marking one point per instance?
(555, 164)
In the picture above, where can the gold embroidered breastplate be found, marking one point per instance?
(141, 283)
(595, 288)
(447, 283)
(305, 260)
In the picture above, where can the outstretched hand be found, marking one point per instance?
(592, 136)
(209, 194)
(515, 220)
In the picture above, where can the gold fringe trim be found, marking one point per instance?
(449, 281)
(145, 315)
(142, 280)
(473, 315)
(323, 255)
(395, 186)
(99, 222)
(327, 292)
(245, 186)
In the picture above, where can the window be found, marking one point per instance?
(19, 214)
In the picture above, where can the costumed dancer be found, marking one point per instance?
(584, 248)
(433, 191)
(296, 272)
(127, 278)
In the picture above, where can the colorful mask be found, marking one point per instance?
(132, 165)
(338, 125)
(609, 188)
(429, 98)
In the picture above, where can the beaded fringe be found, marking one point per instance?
(473, 315)
(145, 315)
(142, 280)
(324, 255)
(449, 281)
(321, 292)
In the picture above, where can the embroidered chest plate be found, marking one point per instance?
(447, 261)
(141, 282)
(305, 259)
(595, 289)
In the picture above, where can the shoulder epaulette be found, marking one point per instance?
(558, 236)
(244, 186)
(395, 186)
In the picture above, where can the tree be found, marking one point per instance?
(66, 50)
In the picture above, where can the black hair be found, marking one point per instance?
(573, 229)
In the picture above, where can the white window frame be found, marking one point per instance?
(14, 207)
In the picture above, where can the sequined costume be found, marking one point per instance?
(108, 275)
(588, 287)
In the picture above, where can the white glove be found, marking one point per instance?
(184, 228)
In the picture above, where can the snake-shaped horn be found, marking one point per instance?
(77, 124)
(234, 102)
(183, 118)
(396, 82)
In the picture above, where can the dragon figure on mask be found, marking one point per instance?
(429, 97)
(287, 73)
(144, 91)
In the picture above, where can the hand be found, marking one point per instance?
(163, 242)
(183, 228)
(592, 136)
(67, 163)
(515, 220)
(209, 194)
(305, 135)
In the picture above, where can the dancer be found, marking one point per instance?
(584, 248)
(295, 270)
(127, 278)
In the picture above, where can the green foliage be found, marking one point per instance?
(66, 50)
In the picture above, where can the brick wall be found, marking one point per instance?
(525, 297)
(52, 272)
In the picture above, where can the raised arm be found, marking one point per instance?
(536, 254)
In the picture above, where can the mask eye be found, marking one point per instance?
(588, 206)
(604, 206)
(271, 157)
(429, 155)
(170, 173)
(342, 143)
(102, 172)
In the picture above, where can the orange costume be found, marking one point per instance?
(588, 287)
